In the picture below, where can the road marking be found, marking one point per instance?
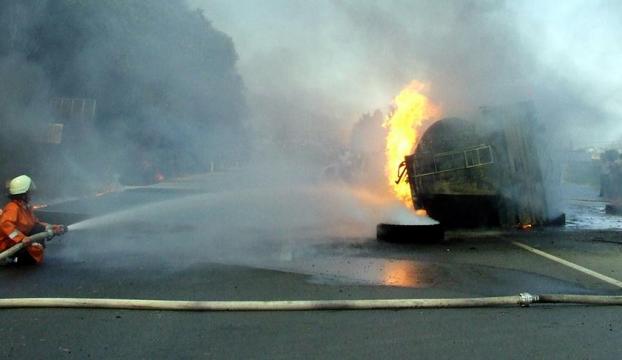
(571, 265)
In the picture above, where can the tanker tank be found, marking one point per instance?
(491, 171)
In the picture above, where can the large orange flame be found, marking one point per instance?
(412, 110)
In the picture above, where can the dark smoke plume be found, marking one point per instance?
(168, 96)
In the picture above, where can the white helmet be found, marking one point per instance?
(21, 185)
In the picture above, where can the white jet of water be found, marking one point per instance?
(136, 213)
(296, 212)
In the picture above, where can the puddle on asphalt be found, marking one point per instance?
(591, 215)
(586, 211)
(352, 270)
(370, 271)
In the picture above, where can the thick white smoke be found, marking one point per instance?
(329, 61)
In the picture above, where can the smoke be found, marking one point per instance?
(179, 89)
(337, 59)
(575, 46)
(170, 98)
(142, 90)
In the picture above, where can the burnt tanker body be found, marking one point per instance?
(492, 171)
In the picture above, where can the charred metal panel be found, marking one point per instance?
(481, 172)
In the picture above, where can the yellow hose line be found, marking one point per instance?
(14, 249)
(524, 299)
(133, 304)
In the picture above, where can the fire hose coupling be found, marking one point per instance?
(525, 299)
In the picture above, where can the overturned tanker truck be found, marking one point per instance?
(493, 171)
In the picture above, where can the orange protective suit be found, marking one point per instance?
(16, 222)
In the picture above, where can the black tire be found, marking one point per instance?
(412, 234)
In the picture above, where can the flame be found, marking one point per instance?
(412, 110)
(421, 212)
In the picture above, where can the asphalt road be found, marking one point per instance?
(148, 259)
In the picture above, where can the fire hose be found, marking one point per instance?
(523, 300)
(42, 236)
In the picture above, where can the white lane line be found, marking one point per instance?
(571, 265)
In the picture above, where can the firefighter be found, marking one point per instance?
(18, 222)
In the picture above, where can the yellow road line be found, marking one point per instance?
(592, 273)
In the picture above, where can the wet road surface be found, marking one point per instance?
(131, 261)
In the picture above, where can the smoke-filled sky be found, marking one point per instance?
(165, 97)
(328, 61)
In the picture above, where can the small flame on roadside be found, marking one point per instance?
(412, 111)
(526, 226)
(421, 212)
